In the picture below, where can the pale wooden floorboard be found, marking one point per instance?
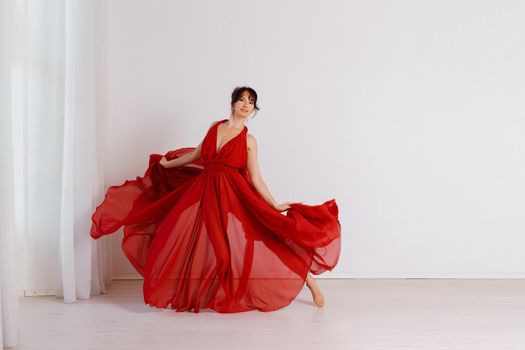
(359, 314)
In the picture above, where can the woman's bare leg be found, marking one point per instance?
(316, 292)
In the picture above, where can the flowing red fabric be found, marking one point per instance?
(204, 238)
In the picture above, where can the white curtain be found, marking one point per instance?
(54, 122)
(8, 286)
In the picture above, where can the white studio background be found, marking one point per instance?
(409, 113)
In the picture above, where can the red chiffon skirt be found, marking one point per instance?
(203, 238)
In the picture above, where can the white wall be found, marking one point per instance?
(409, 113)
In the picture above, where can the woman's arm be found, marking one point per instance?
(256, 178)
(185, 159)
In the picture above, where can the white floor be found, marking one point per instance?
(359, 314)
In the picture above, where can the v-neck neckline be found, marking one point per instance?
(217, 136)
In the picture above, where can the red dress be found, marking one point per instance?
(204, 238)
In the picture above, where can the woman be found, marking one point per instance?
(203, 229)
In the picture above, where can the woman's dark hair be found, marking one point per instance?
(237, 93)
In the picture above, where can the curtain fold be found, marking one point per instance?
(8, 283)
(9, 329)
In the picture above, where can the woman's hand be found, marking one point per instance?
(283, 207)
(163, 161)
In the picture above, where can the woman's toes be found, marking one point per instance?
(319, 299)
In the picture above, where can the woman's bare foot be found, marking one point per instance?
(316, 292)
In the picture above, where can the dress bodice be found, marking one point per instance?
(232, 154)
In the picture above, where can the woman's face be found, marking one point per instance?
(244, 106)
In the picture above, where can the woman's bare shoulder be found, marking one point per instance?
(251, 141)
